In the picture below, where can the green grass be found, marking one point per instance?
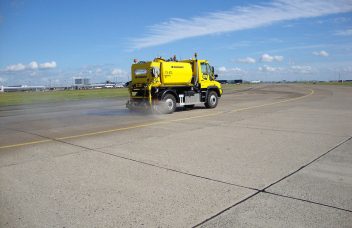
(21, 98)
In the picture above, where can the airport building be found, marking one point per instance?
(236, 81)
(21, 88)
(82, 81)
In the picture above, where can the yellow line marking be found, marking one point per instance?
(274, 103)
(154, 123)
(26, 143)
(108, 131)
(135, 126)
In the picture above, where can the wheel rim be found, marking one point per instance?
(169, 104)
(212, 100)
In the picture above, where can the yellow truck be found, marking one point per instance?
(162, 85)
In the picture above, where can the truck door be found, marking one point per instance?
(204, 72)
(206, 75)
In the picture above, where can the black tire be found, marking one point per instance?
(212, 100)
(168, 104)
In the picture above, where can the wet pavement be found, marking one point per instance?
(274, 155)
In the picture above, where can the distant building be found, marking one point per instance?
(223, 81)
(82, 81)
(236, 81)
(18, 88)
(256, 81)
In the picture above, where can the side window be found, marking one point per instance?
(210, 72)
(208, 69)
(204, 68)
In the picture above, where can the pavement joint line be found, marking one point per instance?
(155, 123)
(309, 163)
(290, 174)
(138, 161)
(271, 193)
(174, 170)
(288, 130)
(307, 201)
(226, 209)
(154, 165)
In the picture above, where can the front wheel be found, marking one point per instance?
(212, 100)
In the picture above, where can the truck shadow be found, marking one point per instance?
(184, 109)
(118, 112)
(127, 112)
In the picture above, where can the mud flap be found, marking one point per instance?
(142, 106)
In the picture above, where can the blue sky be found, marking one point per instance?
(55, 41)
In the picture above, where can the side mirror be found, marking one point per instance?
(215, 76)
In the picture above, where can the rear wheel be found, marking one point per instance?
(168, 104)
(212, 100)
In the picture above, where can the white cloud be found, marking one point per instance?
(15, 67)
(347, 32)
(118, 75)
(31, 66)
(247, 60)
(238, 18)
(117, 72)
(301, 69)
(296, 69)
(230, 71)
(341, 69)
(236, 70)
(267, 69)
(278, 58)
(48, 65)
(266, 58)
(269, 58)
(347, 69)
(321, 53)
(222, 69)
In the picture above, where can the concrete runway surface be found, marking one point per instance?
(267, 156)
